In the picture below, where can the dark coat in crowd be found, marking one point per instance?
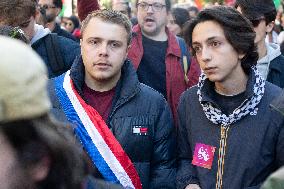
(135, 104)
(61, 32)
(254, 147)
(57, 52)
(276, 71)
(175, 83)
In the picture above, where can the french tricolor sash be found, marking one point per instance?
(95, 136)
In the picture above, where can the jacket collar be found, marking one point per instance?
(173, 46)
(56, 29)
(127, 86)
(208, 86)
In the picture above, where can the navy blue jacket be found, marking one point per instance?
(276, 71)
(136, 104)
(68, 49)
(254, 149)
(57, 29)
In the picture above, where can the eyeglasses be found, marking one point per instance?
(157, 7)
(256, 22)
(124, 12)
(45, 6)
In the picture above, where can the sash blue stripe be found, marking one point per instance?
(81, 132)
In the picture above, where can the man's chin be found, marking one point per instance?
(102, 78)
(149, 31)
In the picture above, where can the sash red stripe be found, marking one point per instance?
(110, 140)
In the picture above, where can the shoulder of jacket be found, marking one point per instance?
(271, 89)
(190, 93)
(278, 61)
(64, 41)
(150, 93)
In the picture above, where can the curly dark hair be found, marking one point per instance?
(237, 30)
(180, 15)
(255, 9)
(13, 12)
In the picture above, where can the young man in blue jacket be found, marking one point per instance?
(125, 127)
(229, 136)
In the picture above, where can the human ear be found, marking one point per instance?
(269, 27)
(40, 170)
(241, 56)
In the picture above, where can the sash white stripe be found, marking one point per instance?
(97, 139)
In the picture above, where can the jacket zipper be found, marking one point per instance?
(221, 156)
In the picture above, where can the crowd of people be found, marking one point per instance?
(166, 98)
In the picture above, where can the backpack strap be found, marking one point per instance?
(185, 58)
(55, 58)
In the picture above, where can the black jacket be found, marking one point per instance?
(61, 32)
(57, 52)
(136, 104)
(254, 149)
(276, 71)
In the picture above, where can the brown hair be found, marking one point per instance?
(111, 16)
(14, 32)
(13, 12)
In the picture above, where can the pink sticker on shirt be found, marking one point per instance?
(203, 155)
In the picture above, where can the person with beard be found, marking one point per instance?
(37, 152)
(156, 52)
(125, 127)
(57, 52)
(49, 11)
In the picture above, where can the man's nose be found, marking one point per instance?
(150, 9)
(205, 54)
(103, 51)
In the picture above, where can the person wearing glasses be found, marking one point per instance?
(49, 11)
(57, 52)
(156, 54)
(262, 14)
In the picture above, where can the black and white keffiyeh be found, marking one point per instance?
(249, 106)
